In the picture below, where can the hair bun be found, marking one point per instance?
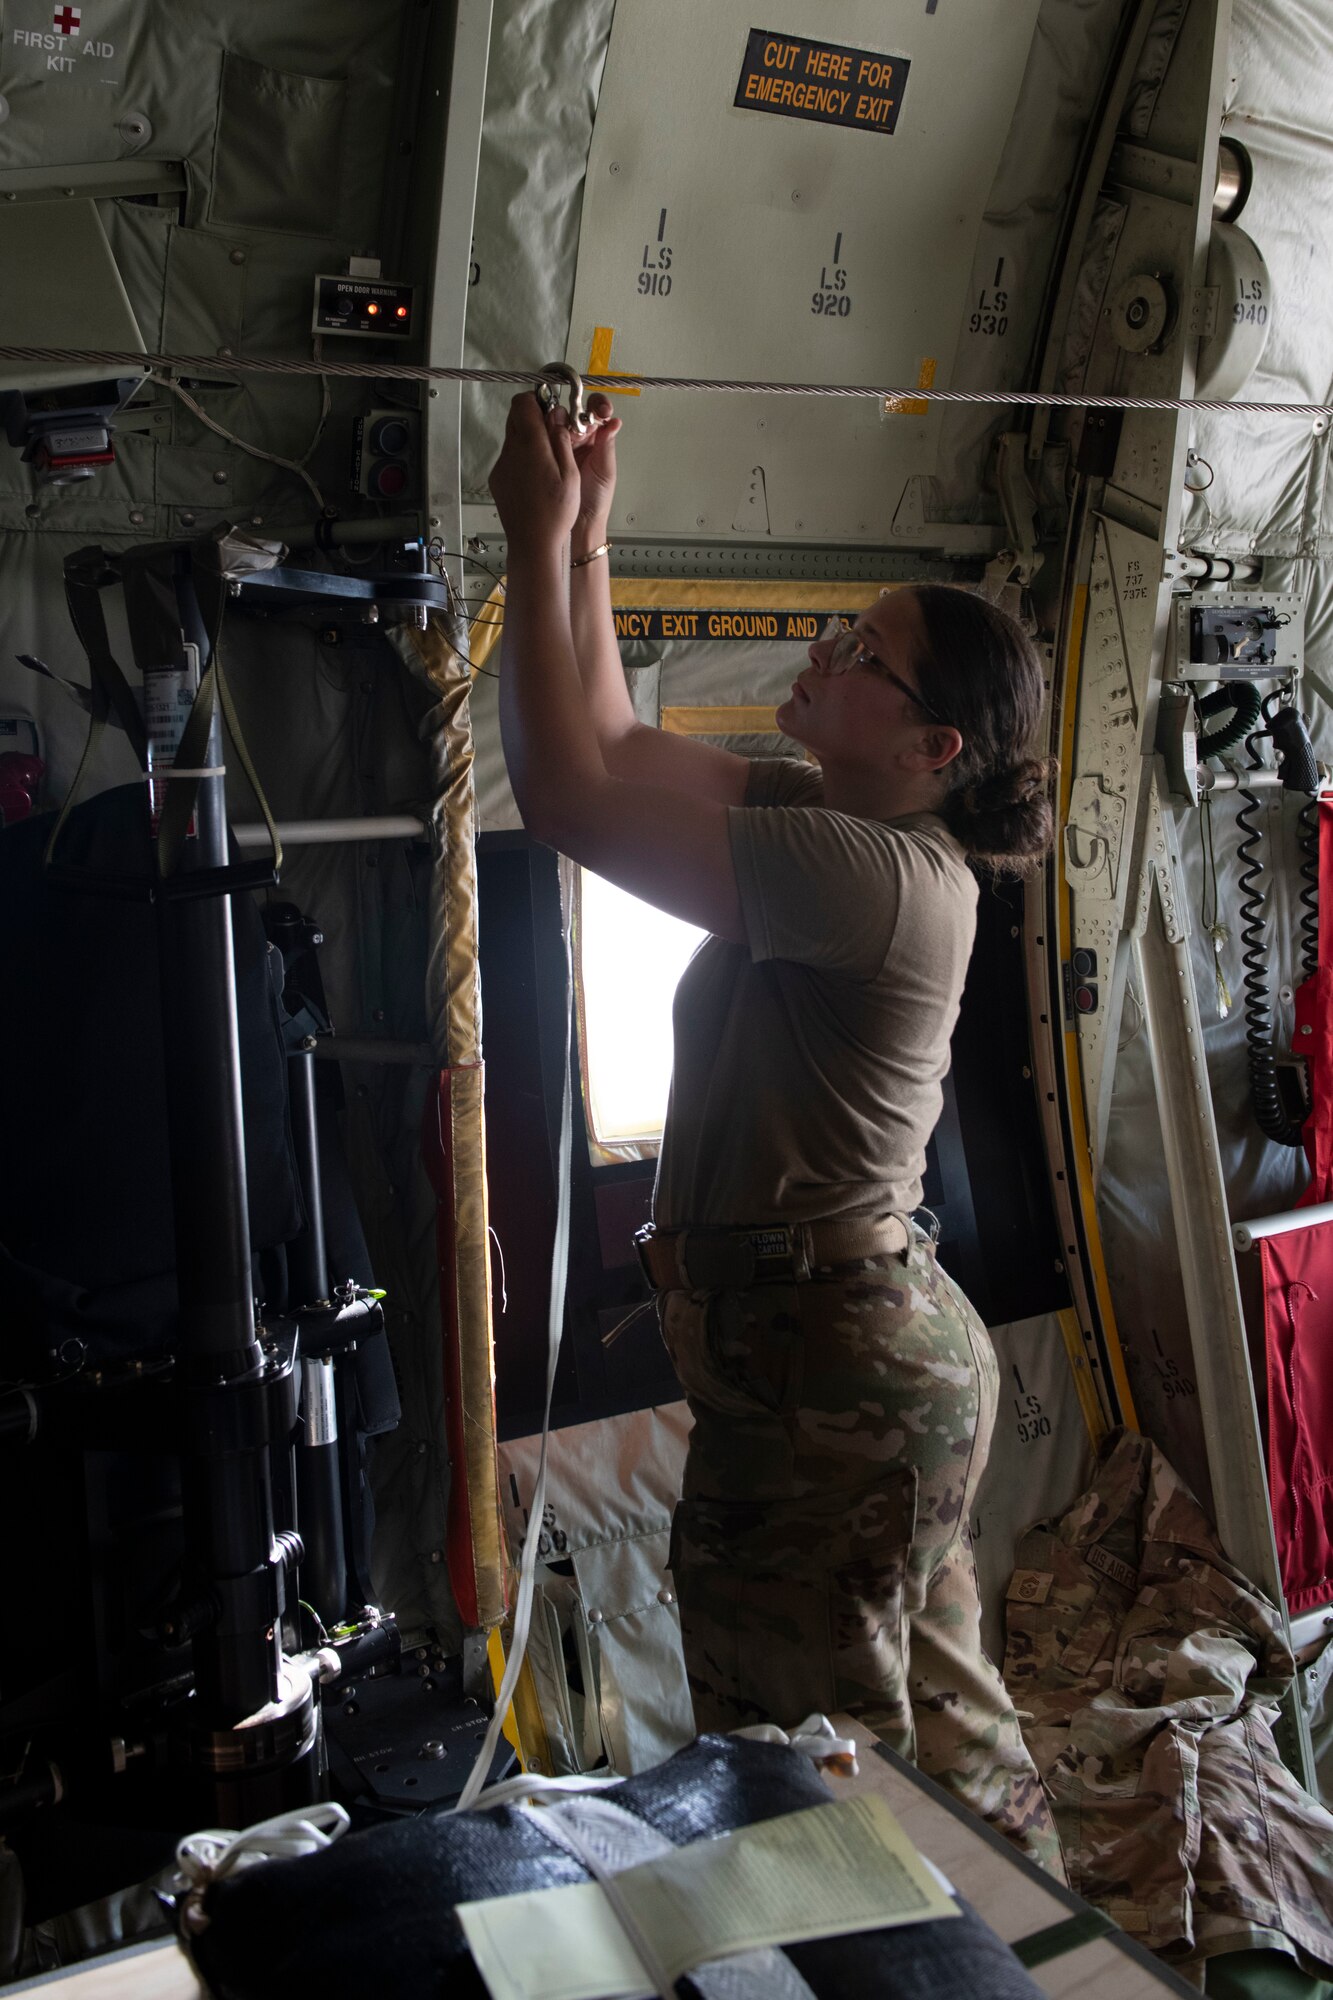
(998, 791)
(1005, 819)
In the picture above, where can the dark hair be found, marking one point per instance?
(982, 673)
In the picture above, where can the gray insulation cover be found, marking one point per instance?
(1269, 495)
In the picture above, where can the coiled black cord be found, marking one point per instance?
(1309, 895)
(1240, 700)
(1265, 1091)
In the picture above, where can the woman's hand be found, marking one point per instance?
(535, 481)
(545, 479)
(595, 452)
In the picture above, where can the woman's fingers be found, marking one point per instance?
(562, 443)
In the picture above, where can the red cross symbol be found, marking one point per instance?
(67, 19)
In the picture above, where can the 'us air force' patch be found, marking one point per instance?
(1106, 1564)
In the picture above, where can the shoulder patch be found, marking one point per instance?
(1030, 1586)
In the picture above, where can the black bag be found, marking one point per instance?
(376, 1909)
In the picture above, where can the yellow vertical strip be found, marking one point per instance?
(524, 1726)
(1078, 1115)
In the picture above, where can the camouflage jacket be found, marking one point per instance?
(1146, 1672)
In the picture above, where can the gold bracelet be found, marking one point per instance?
(577, 562)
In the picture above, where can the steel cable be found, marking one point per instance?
(213, 365)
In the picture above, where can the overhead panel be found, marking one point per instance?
(792, 194)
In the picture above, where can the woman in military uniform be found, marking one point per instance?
(843, 1389)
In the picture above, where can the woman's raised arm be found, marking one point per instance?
(669, 845)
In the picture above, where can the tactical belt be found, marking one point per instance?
(707, 1260)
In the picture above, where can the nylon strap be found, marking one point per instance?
(1057, 1939)
(87, 573)
(192, 750)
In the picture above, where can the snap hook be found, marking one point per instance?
(548, 385)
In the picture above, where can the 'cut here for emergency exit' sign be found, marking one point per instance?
(821, 80)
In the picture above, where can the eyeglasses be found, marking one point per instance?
(850, 650)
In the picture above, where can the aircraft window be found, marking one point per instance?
(629, 959)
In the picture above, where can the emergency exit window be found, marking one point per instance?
(629, 959)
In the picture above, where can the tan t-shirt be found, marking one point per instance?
(808, 1065)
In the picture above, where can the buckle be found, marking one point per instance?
(722, 1259)
(644, 1237)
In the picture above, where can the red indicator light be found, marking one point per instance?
(402, 312)
(372, 308)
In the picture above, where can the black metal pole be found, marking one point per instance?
(226, 1492)
(318, 1470)
(307, 1257)
(203, 1073)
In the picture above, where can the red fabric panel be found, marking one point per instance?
(437, 1155)
(1298, 1322)
(1298, 1305)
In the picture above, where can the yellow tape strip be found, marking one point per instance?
(1073, 1064)
(908, 406)
(524, 1726)
(720, 722)
(599, 360)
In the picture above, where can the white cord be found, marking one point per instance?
(814, 1738)
(208, 1857)
(527, 1572)
(530, 1786)
(295, 465)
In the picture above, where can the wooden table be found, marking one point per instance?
(1015, 1897)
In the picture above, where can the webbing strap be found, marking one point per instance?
(608, 1840)
(192, 751)
(1057, 1939)
(87, 573)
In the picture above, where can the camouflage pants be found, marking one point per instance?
(820, 1547)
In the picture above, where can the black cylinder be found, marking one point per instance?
(201, 1046)
(226, 1492)
(319, 1494)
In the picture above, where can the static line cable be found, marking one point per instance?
(209, 366)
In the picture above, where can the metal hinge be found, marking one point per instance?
(1204, 301)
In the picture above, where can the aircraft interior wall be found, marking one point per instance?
(228, 155)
